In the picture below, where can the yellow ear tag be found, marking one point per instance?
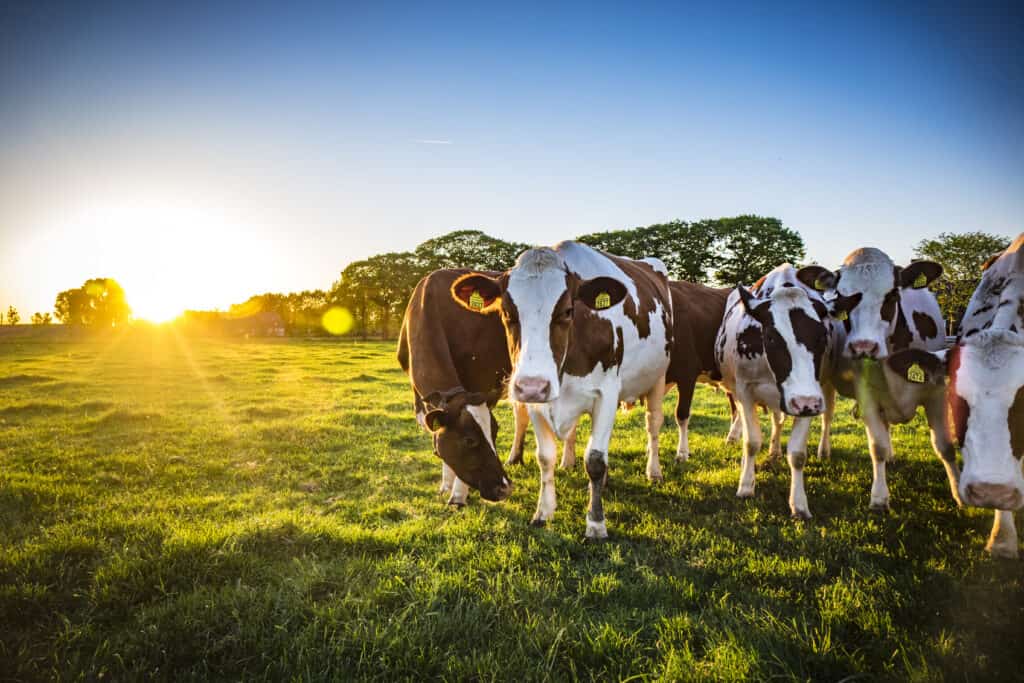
(603, 300)
(819, 285)
(476, 302)
(915, 373)
(920, 281)
(842, 315)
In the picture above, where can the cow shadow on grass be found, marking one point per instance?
(47, 409)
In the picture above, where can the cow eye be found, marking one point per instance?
(567, 313)
(470, 441)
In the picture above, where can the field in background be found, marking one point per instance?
(183, 509)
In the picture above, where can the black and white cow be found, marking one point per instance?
(884, 309)
(772, 348)
(986, 394)
(585, 330)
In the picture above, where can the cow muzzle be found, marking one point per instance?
(532, 390)
(997, 496)
(496, 494)
(863, 348)
(805, 406)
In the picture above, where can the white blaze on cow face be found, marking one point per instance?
(795, 340)
(868, 295)
(986, 395)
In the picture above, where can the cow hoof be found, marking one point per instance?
(880, 508)
(824, 453)
(802, 515)
(538, 523)
(655, 478)
(514, 461)
(682, 457)
(457, 504)
(567, 465)
(1003, 552)
(596, 531)
(745, 494)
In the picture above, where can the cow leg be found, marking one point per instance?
(547, 448)
(684, 391)
(880, 445)
(751, 445)
(520, 414)
(597, 461)
(1003, 540)
(775, 441)
(447, 478)
(935, 411)
(569, 449)
(736, 426)
(655, 418)
(825, 444)
(796, 454)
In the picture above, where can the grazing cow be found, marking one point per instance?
(885, 309)
(771, 347)
(458, 364)
(986, 393)
(585, 330)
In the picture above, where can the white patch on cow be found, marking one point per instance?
(868, 272)
(447, 477)
(482, 415)
(535, 284)
(991, 372)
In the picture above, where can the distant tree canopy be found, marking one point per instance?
(468, 249)
(41, 318)
(961, 256)
(13, 317)
(733, 250)
(99, 302)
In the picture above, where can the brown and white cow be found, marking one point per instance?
(585, 330)
(884, 309)
(772, 349)
(986, 393)
(458, 365)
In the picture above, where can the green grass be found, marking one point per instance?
(195, 510)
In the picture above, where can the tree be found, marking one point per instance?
(41, 318)
(961, 256)
(13, 317)
(99, 302)
(467, 249)
(687, 249)
(750, 246)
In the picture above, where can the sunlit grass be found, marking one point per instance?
(187, 509)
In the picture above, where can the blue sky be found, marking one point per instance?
(214, 151)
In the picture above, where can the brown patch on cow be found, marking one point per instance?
(1015, 418)
(901, 337)
(959, 410)
(756, 288)
(593, 342)
(651, 288)
(925, 325)
(750, 342)
(560, 328)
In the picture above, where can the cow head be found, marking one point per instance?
(986, 400)
(795, 336)
(864, 294)
(464, 435)
(538, 299)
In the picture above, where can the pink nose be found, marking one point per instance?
(998, 496)
(805, 405)
(864, 349)
(532, 389)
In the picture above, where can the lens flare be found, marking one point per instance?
(337, 320)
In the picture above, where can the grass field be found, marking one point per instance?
(269, 510)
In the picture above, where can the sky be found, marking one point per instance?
(203, 152)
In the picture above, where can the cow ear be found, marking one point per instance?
(600, 293)
(816, 278)
(990, 260)
(477, 292)
(755, 308)
(920, 274)
(919, 367)
(435, 419)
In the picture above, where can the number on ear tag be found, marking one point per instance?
(920, 281)
(842, 315)
(915, 373)
(476, 302)
(603, 300)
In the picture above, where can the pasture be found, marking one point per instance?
(179, 509)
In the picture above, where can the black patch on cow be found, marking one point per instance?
(890, 304)
(1015, 419)
(983, 309)
(749, 342)
(901, 336)
(811, 334)
(820, 308)
(779, 360)
(925, 325)
(843, 303)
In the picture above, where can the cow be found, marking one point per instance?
(585, 330)
(458, 365)
(986, 393)
(772, 346)
(884, 309)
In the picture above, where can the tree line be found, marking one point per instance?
(374, 291)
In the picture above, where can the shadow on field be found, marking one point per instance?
(43, 409)
(12, 381)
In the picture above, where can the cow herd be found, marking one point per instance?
(570, 330)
